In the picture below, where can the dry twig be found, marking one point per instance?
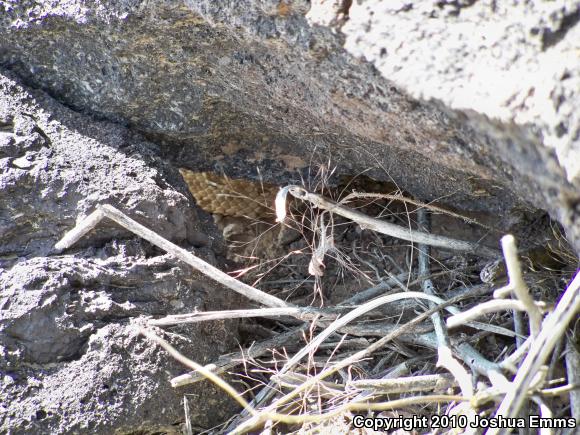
(445, 356)
(553, 327)
(517, 285)
(108, 211)
(378, 225)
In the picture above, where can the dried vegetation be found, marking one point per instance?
(434, 330)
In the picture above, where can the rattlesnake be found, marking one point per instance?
(239, 198)
(230, 197)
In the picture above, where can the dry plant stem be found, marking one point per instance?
(381, 226)
(187, 429)
(406, 384)
(428, 288)
(291, 419)
(343, 321)
(226, 362)
(300, 313)
(122, 219)
(395, 372)
(294, 379)
(545, 412)
(573, 370)
(444, 355)
(517, 284)
(381, 329)
(349, 407)
(481, 365)
(510, 362)
(482, 309)
(560, 391)
(553, 328)
(194, 366)
(414, 202)
(345, 362)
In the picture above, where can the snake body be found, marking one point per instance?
(220, 195)
(230, 197)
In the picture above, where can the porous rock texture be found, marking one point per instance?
(71, 359)
(474, 102)
(233, 86)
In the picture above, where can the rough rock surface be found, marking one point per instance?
(237, 85)
(70, 357)
(512, 62)
(474, 102)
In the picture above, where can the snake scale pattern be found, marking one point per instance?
(224, 196)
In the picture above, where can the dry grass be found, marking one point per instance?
(398, 349)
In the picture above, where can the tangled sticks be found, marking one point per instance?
(379, 225)
(233, 197)
(544, 334)
(228, 197)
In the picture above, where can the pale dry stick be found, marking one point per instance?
(393, 373)
(300, 313)
(374, 329)
(517, 284)
(293, 379)
(518, 318)
(573, 371)
(381, 226)
(252, 422)
(325, 244)
(228, 361)
(122, 219)
(545, 413)
(561, 391)
(261, 312)
(445, 357)
(484, 308)
(195, 366)
(187, 429)
(402, 198)
(553, 327)
(406, 384)
(293, 419)
(495, 329)
(345, 343)
(481, 365)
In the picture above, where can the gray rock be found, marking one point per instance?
(514, 63)
(71, 360)
(472, 102)
(237, 85)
